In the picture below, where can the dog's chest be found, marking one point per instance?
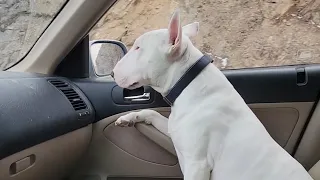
(190, 137)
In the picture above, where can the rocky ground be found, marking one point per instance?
(237, 33)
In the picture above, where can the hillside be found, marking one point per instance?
(238, 33)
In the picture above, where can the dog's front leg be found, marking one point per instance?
(148, 116)
(196, 171)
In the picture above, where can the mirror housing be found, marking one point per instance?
(104, 54)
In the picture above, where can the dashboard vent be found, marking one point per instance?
(59, 84)
(73, 97)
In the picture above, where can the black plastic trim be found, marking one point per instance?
(275, 84)
(76, 64)
(100, 95)
(259, 85)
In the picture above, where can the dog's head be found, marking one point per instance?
(153, 53)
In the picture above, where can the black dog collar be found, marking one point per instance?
(186, 79)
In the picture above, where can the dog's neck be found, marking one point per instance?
(178, 68)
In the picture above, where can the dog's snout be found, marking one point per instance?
(112, 74)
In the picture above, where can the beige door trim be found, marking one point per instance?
(309, 147)
(50, 160)
(107, 157)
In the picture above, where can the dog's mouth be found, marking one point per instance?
(133, 85)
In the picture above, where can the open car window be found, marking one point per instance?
(21, 24)
(236, 34)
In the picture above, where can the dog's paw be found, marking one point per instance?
(126, 120)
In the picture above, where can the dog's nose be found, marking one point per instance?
(112, 74)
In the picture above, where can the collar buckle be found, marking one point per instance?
(167, 101)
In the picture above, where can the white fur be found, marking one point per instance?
(214, 132)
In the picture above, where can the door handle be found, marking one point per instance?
(143, 97)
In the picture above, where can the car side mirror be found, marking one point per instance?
(105, 54)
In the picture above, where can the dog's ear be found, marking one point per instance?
(191, 30)
(175, 33)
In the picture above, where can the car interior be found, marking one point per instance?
(57, 116)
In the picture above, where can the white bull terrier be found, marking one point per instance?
(215, 134)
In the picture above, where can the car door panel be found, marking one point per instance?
(315, 171)
(106, 159)
(53, 159)
(127, 139)
(274, 116)
(308, 150)
(283, 121)
(281, 97)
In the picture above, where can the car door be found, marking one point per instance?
(283, 98)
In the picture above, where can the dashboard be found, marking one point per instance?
(35, 108)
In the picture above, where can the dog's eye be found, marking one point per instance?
(137, 48)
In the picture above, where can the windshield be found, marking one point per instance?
(21, 23)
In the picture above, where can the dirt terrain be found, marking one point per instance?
(236, 33)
